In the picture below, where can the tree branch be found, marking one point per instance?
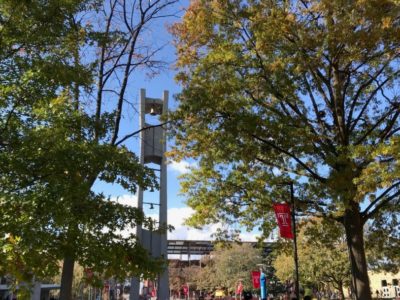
(372, 94)
(138, 131)
(369, 212)
(314, 174)
(100, 83)
(372, 128)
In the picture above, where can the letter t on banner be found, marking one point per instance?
(283, 217)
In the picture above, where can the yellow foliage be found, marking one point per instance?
(386, 22)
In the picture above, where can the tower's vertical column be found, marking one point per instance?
(135, 282)
(163, 289)
(142, 124)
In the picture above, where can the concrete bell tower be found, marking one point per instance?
(152, 150)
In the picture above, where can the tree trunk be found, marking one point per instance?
(66, 278)
(355, 241)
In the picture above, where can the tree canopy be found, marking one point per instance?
(65, 71)
(229, 264)
(323, 257)
(302, 91)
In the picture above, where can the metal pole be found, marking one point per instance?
(296, 260)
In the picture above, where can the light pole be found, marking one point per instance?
(296, 260)
(152, 204)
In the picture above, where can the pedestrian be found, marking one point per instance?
(263, 285)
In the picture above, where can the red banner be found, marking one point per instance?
(255, 278)
(239, 288)
(185, 290)
(283, 217)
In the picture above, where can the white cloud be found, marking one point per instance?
(181, 167)
(176, 218)
(128, 200)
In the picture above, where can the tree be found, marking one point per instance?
(33, 66)
(64, 94)
(181, 274)
(302, 91)
(229, 264)
(323, 256)
(232, 264)
(176, 278)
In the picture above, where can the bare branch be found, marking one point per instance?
(305, 167)
(280, 168)
(108, 74)
(320, 89)
(138, 131)
(380, 202)
(374, 77)
(391, 133)
(100, 83)
(378, 122)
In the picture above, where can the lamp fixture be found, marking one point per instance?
(151, 204)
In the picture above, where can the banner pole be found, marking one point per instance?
(296, 260)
